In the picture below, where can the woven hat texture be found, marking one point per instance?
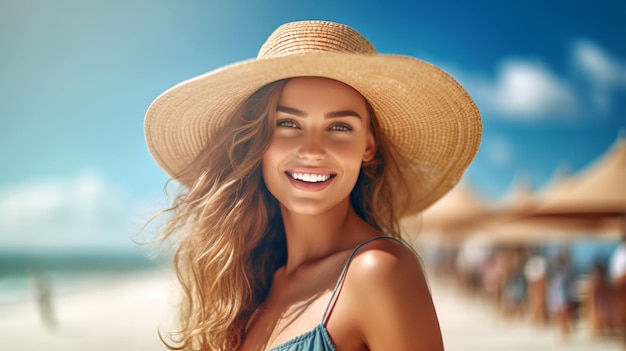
(428, 116)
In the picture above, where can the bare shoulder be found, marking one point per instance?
(390, 298)
(385, 260)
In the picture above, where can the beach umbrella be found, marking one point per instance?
(561, 212)
(520, 198)
(597, 192)
(593, 202)
(601, 189)
(562, 182)
(448, 220)
(533, 231)
(507, 223)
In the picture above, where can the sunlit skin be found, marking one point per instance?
(322, 136)
(323, 130)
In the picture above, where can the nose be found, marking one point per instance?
(311, 147)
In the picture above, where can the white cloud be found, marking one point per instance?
(601, 68)
(526, 89)
(604, 73)
(83, 211)
(529, 90)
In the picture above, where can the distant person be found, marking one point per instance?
(494, 274)
(618, 280)
(600, 301)
(514, 293)
(558, 295)
(43, 296)
(535, 271)
(296, 168)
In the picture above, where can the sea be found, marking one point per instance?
(25, 275)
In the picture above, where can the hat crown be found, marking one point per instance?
(314, 36)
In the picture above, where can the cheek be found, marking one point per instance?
(271, 161)
(350, 157)
(267, 162)
(351, 152)
(275, 150)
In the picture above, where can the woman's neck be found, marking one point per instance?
(313, 237)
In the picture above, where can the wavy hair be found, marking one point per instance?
(230, 232)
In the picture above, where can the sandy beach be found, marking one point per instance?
(116, 313)
(124, 312)
(472, 324)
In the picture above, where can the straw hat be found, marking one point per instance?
(421, 109)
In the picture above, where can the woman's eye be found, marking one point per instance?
(286, 123)
(340, 127)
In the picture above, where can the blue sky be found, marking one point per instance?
(77, 76)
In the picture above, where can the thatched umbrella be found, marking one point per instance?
(569, 207)
(448, 220)
(535, 231)
(561, 183)
(597, 194)
(600, 190)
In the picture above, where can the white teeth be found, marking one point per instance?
(309, 178)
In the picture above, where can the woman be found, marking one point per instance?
(296, 168)
(558, 295)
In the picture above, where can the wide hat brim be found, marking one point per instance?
(428, 116)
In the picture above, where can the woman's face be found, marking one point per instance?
(321, 137)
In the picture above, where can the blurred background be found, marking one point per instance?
(519, 253)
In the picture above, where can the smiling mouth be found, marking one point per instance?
(309, 178)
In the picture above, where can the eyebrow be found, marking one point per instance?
(333, 114)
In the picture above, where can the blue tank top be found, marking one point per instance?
(317, 339)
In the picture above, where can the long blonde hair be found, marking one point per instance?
(232, 235)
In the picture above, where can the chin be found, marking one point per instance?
(306, 210)
(312, 208)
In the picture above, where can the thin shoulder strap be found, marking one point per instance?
(331, 302)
